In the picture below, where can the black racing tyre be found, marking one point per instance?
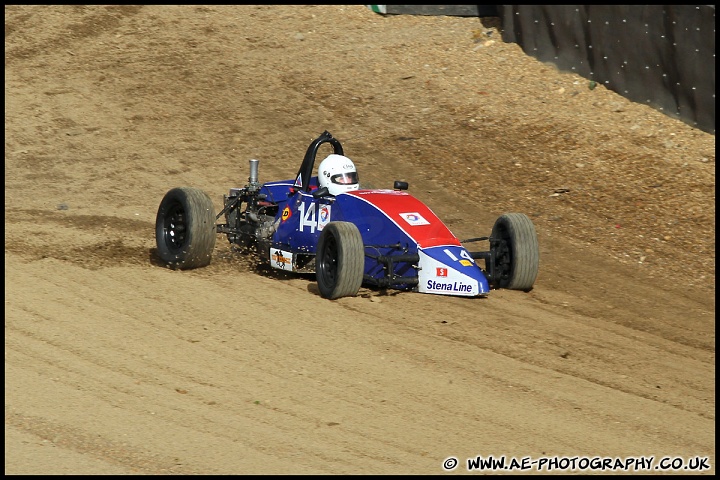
(339, 260)
(514, 246)
(185, 229)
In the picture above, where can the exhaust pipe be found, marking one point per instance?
(253, 179)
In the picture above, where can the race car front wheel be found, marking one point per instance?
(515, 252)
(340, 260)
(185, 229)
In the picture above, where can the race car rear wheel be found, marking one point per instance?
(515, 251)
(340, 260)
(185, 229)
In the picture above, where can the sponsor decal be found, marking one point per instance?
(445, 276)
(458, 287)
(466, 263)
(286, 213)
(281, 260)
(414, 218)
(298, 181)
(323, 216)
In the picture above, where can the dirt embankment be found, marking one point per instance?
(116, 365)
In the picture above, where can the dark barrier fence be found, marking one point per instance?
(660, 55)
(452, 10)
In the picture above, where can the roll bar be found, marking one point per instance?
(302, 181)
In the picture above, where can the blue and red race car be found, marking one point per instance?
(323, 222)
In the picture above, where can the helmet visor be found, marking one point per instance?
(348, 178)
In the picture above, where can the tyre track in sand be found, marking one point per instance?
(115, 365)
(182, 364)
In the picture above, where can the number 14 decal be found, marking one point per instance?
(309, 216)
(467, 259)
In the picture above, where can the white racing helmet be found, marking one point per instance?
(338, 174)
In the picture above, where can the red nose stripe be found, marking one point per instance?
(411, 215)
